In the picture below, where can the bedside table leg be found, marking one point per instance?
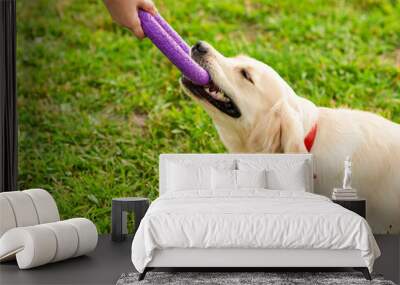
(124, 224)
(116, 222)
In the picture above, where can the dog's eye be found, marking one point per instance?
(246, 75)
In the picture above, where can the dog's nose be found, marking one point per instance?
(199, 48)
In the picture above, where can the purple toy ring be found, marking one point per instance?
(173, 47)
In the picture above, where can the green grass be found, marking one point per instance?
(97, 107)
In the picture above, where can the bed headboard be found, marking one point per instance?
(165, 158)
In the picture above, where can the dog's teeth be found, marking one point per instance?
(216, 93)
(220, 96)
(224, 98)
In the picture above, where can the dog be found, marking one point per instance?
(254, 110)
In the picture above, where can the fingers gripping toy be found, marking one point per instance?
(173, 47)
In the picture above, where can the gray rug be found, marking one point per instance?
(269, 278)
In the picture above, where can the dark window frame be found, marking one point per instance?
(8, 97)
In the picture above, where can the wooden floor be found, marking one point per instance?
(111, 259)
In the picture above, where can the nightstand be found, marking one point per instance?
(358, 206)
(119, 209)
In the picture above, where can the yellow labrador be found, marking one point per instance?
(255, 110)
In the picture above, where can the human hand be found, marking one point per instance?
(125, 13)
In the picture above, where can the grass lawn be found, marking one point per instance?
(97, 107)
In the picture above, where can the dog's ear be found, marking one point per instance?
(279, 131)
(265, 136)
(292, 131)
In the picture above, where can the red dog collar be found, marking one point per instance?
(309, 139)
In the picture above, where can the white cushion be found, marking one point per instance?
(26, 208)
(7, 220)
(31, 232)
(67, 239)
(251, 178)
(287, 174)
(23, 208)
(32, 246)
(87, 233)
(45, 206)
(223, 179)
(40, 244)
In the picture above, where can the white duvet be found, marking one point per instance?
(250, 219)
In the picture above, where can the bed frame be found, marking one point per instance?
(249, 259)
(236, 259)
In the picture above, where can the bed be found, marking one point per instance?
(245, 211)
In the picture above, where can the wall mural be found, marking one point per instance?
(97, 106)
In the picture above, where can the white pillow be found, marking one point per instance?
(251, 178)
(188, 174)
(227, 179)
(287, 174)
(292, 179)
(223, 179)
(188, 177)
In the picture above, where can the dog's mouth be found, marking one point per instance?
(214, 95)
